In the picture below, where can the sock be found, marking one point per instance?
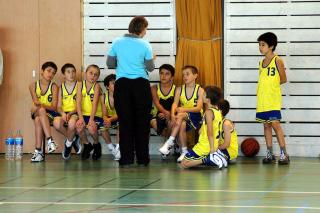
(283, 150)
(270, 150)
(68, 143)
(110, 146)
(184, 149)
(171, 140)
(49, 139)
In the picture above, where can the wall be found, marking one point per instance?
(296, 24)
(32, 32)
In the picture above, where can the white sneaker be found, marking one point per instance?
(167, 146)
(116, 153)
(51, 146)
(215, 159)
(37, 156)
(223, 158)
(181, 157)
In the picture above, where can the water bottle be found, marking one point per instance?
(19, 145)
(10, 147)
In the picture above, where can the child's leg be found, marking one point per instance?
(106, 136)
(190, 163)
(44, 122)
(270, 158)
(153, 124)
(38, 133)
(183, 141)
(58, 124)
(94, 134)
(279, 133)
(71, 131)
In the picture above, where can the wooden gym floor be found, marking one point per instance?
(87, 186)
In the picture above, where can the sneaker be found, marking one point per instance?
(67, 151)
(163, 157)
(215, 160)
(223, 158)
(270, 158)
(116, 153)
(96, 151)
(76, 144)
(284, 159)
(51, 146)
(87, 148)
(176, 149)
(37, 156)
(181, 157)
(167, 146)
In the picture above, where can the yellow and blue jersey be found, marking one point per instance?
(192, 101)
(202, 148)
(46, 97)
(87, 99)
(268, 90)
(68, 103)
(166, 100)
(233, 147)
(110, 110)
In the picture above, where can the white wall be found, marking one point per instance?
(104, 20)
(297, 25)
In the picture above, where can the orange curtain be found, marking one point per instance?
(199, 26)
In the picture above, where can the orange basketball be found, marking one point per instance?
(250, 147)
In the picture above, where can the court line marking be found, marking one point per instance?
(165, 190)
(165, 204)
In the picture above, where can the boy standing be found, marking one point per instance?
(271, 75)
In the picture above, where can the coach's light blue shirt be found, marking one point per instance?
(131, 53)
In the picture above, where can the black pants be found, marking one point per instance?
(133, 102)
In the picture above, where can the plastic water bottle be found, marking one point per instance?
(10, 147)
(19, 145)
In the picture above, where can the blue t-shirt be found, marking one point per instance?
(131, 52)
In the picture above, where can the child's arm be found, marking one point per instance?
(104, 111)
(209, 116)
(175, 102)
(59, 107)
(227, 128)
(79, 101)
(95, 102)
(199, 103)
(282, 70)
(156, 101)
(32, 90)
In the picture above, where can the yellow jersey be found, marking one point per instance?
(202, 148)
(69, 102)
(44, 98)
(192, 101)
(268, 90)
(110, 110)
(87, 98)
(233, 147)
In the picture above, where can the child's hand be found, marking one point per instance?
(64, 117)
(37, 103)
(180, 110)
(161, 115)
(154, 56)
(167, 115)
(106, 122)
(91, 123)
(80, 123)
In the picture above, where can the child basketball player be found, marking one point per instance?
(271, 75)
(44, 95)
(209, 132)
(163, 96)
(187, 115)
(89, 110)
(67, 108)
(110, 117)
(228, 142)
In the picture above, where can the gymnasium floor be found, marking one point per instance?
(87, 186)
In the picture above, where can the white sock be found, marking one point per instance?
(171, 140)
(110, 146)
(184, 149)
(68, 143)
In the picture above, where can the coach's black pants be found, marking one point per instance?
(133, 102)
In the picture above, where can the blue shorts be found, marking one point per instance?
(193, 120)
(114, 125)
(51, 115)
(191, 155)
(269, 116)
(97, 120)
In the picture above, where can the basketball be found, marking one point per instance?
(250, 147)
